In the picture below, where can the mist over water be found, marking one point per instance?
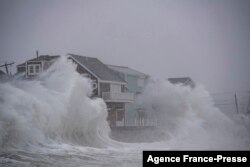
(188, 119)
(52, 121)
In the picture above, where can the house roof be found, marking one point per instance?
(127, 70)
(98, 68)
(183, 80)
(20, 65)
(179, 80)
(40, 58)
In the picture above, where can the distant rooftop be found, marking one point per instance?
(98, 68)
(41, 58)
(183, 80)
(127, 70)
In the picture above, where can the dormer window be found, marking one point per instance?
(34, 69)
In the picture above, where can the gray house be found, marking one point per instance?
(136, 82)
(34, 67)
(107, 85)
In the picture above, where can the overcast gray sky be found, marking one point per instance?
(208, 40)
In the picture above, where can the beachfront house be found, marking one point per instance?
(108, 85)
(136, 82)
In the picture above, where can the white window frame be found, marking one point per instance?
(34, 69)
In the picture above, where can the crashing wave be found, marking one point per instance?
(54, 107)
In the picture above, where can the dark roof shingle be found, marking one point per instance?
(40, 58)
(98, 68)
(184, 81)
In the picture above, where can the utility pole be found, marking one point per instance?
(6, 66)
(236, 103)
(248, 105)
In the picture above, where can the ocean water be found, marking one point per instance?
(52, 121)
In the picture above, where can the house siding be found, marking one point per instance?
(132, 109)
(132, 84)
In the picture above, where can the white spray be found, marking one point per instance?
(189, 120)
(56, 107)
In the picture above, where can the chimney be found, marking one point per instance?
(37, 54)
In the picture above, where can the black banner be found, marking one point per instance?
(196, 158)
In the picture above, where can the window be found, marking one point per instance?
(140, 82)
(34, 69)
(37, 68)
(31, 69)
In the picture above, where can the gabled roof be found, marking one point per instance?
(44, 58)
(127, 70)
(183, 80)
(40, 58)
(98, 68)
